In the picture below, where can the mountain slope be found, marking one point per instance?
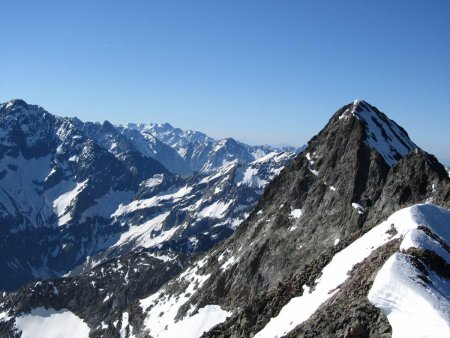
(68, 191)
(338, 188)
(189, 215)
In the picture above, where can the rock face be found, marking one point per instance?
(305, 259)
(339, 186)
(75, 194)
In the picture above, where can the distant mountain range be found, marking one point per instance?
(203, 153)
(74, 194)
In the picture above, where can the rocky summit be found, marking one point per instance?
(351, 238)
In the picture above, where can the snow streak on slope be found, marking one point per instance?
(250, 175)
(416, 302)
(143, 233)
(62, 203)
(162, 308)
(106, 205)
(299, 309)
(50, 323)
(153, 201)
(383, 134)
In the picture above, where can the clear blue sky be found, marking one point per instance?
(260, 71)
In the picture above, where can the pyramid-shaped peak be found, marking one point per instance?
(358, 102)
(382, 134)
(357, 106)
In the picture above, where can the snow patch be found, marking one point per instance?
(107, 204)
(296, 213)
(161, 309)
(415, 308)
(62, 203)
(50, 323)
(383, 134)
(311, 164)
(151, 202)
(123, 328)
(359, 208)
(250, 178)
(230, 262)
(148, 234)
(154, 181)
(215, 210)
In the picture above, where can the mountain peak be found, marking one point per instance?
(15, 103)
(20, 107)
(167, 125)
(382, 134)
(107, 126)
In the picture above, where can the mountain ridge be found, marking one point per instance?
(202, 152)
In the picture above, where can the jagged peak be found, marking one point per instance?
(382, 134)
(18, 109)
(15, 103)
(108, 126)
(166, 125)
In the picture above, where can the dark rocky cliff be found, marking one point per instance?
(276, 253)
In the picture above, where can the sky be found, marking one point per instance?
(264, 72)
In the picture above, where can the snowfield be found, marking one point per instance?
(162, 309)
(415, 308)
(50, 323)
(401, 304)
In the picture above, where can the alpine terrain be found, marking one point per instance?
(75, 194)
(348, 238)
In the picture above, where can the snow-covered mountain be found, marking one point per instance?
(351, 239)
(120, 141)
(170, 213)
(74, 194)
(52, 173)
(203, 153)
